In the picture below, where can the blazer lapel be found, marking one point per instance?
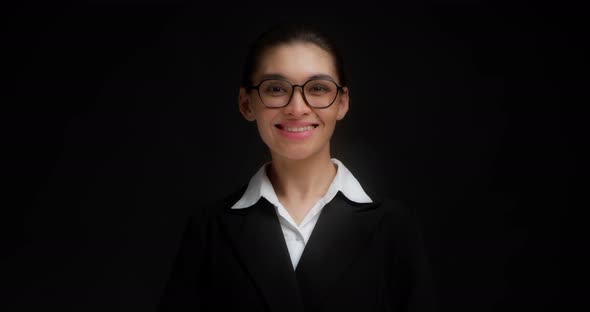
(257, 238)
(341, 231)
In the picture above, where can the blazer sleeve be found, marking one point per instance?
(184, 290)
(411, 267)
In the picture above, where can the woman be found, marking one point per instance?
(303, 235)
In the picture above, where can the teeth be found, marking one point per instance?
(300, 129)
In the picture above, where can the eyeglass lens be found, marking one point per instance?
(317, 93)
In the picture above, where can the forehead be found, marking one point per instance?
(296, 61)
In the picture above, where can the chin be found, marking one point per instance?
(295, 156)
(296, 153)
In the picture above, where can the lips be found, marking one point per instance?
(296, 126)
(296, 130)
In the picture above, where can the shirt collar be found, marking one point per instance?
(344, 181)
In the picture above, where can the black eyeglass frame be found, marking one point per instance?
(257, 88)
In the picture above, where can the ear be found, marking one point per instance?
(245, 105)
(343, 102)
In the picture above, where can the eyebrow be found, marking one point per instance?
(279, 76)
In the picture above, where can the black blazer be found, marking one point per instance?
(360, 257)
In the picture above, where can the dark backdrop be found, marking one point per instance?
(118, 116)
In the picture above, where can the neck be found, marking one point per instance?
(302, 179)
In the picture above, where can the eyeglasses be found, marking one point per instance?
(317, 93)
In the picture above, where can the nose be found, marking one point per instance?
(297, 104)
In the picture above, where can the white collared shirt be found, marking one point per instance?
(297, 236)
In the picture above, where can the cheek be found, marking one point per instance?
(264, 125)
(330, 118)
(260, 125)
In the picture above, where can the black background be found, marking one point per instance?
(117, 116)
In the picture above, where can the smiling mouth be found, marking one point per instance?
(297, 129)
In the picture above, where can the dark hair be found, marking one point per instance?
(290, 33)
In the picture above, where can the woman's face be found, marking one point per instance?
(281, 128)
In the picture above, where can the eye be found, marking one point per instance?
(319, 88)
(275, 88)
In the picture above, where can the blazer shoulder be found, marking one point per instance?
(231, 198)
(225, 202)
(201, 211)
(396, 210)
(390, 204)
